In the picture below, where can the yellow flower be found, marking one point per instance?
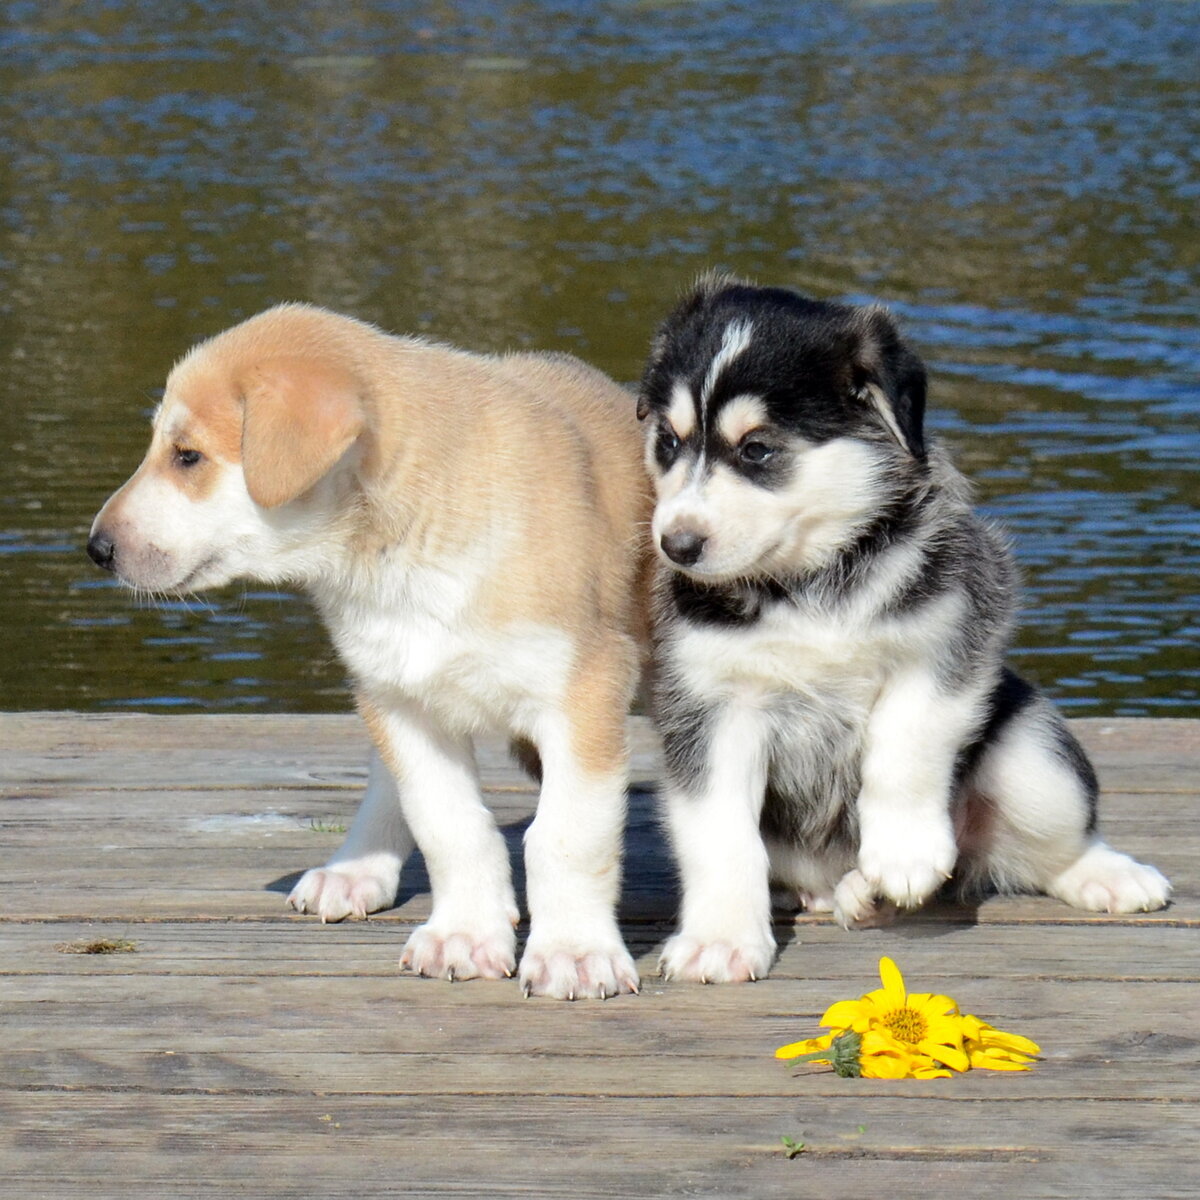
(891, 1033)
(919, 1023)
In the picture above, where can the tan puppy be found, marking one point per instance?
(472, 531)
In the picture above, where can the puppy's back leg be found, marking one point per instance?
(1031, 821)
(362, 876)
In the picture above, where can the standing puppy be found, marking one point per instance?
(469, 529)
(831, 620)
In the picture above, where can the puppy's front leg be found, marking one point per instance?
(717, 767)
(907, 848)
(470, 932)
(363, 875)
(573, 853)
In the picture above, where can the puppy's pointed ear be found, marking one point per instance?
(890, 378)
(301, 415)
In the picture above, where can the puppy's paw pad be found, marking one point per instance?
(1104, 880)
(567, 972)
(441, 953)
(856, 904)
(334, 893)
(696, 960)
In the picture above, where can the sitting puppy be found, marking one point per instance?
(830, 627)
(469, 528)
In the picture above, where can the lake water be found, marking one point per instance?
(1018, 181)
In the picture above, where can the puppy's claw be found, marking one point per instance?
(527, 990)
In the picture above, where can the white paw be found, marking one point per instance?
(907, 863)
(350, 889)
(441, 952)
(1104, 880)
(696, 960)
(565, 970)
(857, 906)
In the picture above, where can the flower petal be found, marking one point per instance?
(892, 980)
(793, 1049)
(945, 1054)
(843, 1015)
(1009, 1041)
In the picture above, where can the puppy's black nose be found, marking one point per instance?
(101, 551)
(684, 548)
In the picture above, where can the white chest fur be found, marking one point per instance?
(414, 631)
(787, 652)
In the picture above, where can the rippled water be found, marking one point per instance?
(1019, 182)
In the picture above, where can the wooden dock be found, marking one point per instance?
(230, 1047)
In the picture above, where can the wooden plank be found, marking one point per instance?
(133, 750)
(821, 955)
(558, 1147)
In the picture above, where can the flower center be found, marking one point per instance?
(907, 1025)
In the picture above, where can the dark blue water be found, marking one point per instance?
(1019, 182)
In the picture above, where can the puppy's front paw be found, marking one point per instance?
(350, 889)
(697, 960)
(565, 970)
(1104, 880)
(441, 952)
(907, 863)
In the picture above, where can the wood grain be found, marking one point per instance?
(243, 1050)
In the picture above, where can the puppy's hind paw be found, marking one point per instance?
(857, 906)
(1104, 880)
(351, 889)
(694, 960)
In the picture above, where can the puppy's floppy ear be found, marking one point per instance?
(301, 415)
(891, 379)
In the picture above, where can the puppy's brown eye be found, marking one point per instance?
(187, 458)
(755, 452)
(668, 444)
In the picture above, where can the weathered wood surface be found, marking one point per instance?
(243, 1050)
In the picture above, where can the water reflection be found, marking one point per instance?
(1018, 181)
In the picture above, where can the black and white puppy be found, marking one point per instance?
(831, 622)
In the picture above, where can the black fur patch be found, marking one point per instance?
(810, 362)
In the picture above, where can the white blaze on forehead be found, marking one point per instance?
(735, 339)
(741, 415)
(682, 410)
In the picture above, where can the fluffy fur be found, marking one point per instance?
(831, 619)
(471, 530)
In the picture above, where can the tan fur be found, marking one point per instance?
(451, 444)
